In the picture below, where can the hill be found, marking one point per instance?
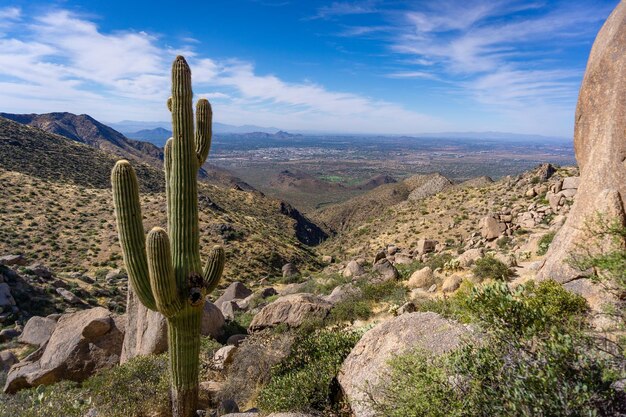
(158, 136)
(32, 151)
(358, 210)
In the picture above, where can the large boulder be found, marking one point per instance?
(467, 258)
(491, 228)
(367, 363)
(37, 331)
(386, 270)
(235, 291)
(81, 344)
(146, 331)
(422, 278)
(600, 146)
(353, 269)
(212, 321)
(292, 310)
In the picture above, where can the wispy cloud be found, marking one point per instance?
(337, 9)
(59, 61)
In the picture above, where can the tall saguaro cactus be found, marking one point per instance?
(165, 271)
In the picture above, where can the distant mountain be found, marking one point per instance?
(157, 136)
(497, 136)
(131, 127)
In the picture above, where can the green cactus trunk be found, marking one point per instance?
(165, 271)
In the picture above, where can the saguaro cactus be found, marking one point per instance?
(165, 271)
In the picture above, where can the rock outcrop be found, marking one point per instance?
(38, 331)
(366, 365)
(81, 344)
(292, 310)
(146, 332)
(600, 146)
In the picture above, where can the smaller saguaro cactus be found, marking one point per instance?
(165, 271)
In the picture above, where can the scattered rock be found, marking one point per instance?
(380, 255)
(81, 344)
(386, 270)
(545, 172)
(228, 309)
(290, 270)
(570, 183)
(367, 363)
(405, 308)
(422, 278)
(212, 321)
(451, 283)
(469, 257)
(426, 246)
(146, 331)
(235, 291)
(342, 293)
(8, 334)
(68, 296)
(491, 228)
(353, 269)
(37, 331)
(6, 298)
(292, 310)
(236, 339)
(7, 360)
(223, 357)
(39, 270)
(327, 259)
(12, 260)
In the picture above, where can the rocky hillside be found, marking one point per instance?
(358, 210)
(32, 151)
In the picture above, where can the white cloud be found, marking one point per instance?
(10, 13)
(62, 62)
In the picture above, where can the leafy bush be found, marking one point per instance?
(304, 380)
(535, 358)
(350, 310)
(491, 268)
(544, 243)
(136, 389)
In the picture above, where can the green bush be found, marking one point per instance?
(350, 310)
(544, 243)
(139, 388)
(491, 268)
(535, 358)
(304, 381)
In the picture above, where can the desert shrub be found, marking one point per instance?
(108, 392)
(503, 242)
(534, 358)
(138, 388)
(544, 243)
(390, 291)
(251, 367)
(305, 380)
(439, 260)
(407, 269)
(350, 310)
(492, 268)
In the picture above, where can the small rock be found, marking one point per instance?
(407, 307)
(353, 269)
(68, 296)
(571, 183)
(212, 321)
(425, 246)
(386, 269)
(327, 259)
(37, 331)
(10, 260)
(236, 339)
(223, 357)
(467, 258)
(422, 278)
(8, 334)
(7, 359)
(235, 291)
(6, 298)
(451, 283)
(290, 270)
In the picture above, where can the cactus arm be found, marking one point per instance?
(204, 117)
(161, 273)
(213, 268)
(131, 233)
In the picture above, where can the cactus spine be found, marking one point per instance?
(165, 271)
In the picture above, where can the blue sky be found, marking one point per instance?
(396, 67)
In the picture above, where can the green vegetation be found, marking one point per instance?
(108, 392)
(360, 305)
(535, 358)
(171, 280)
(304, 380)
(492, 268)
(544, 243)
